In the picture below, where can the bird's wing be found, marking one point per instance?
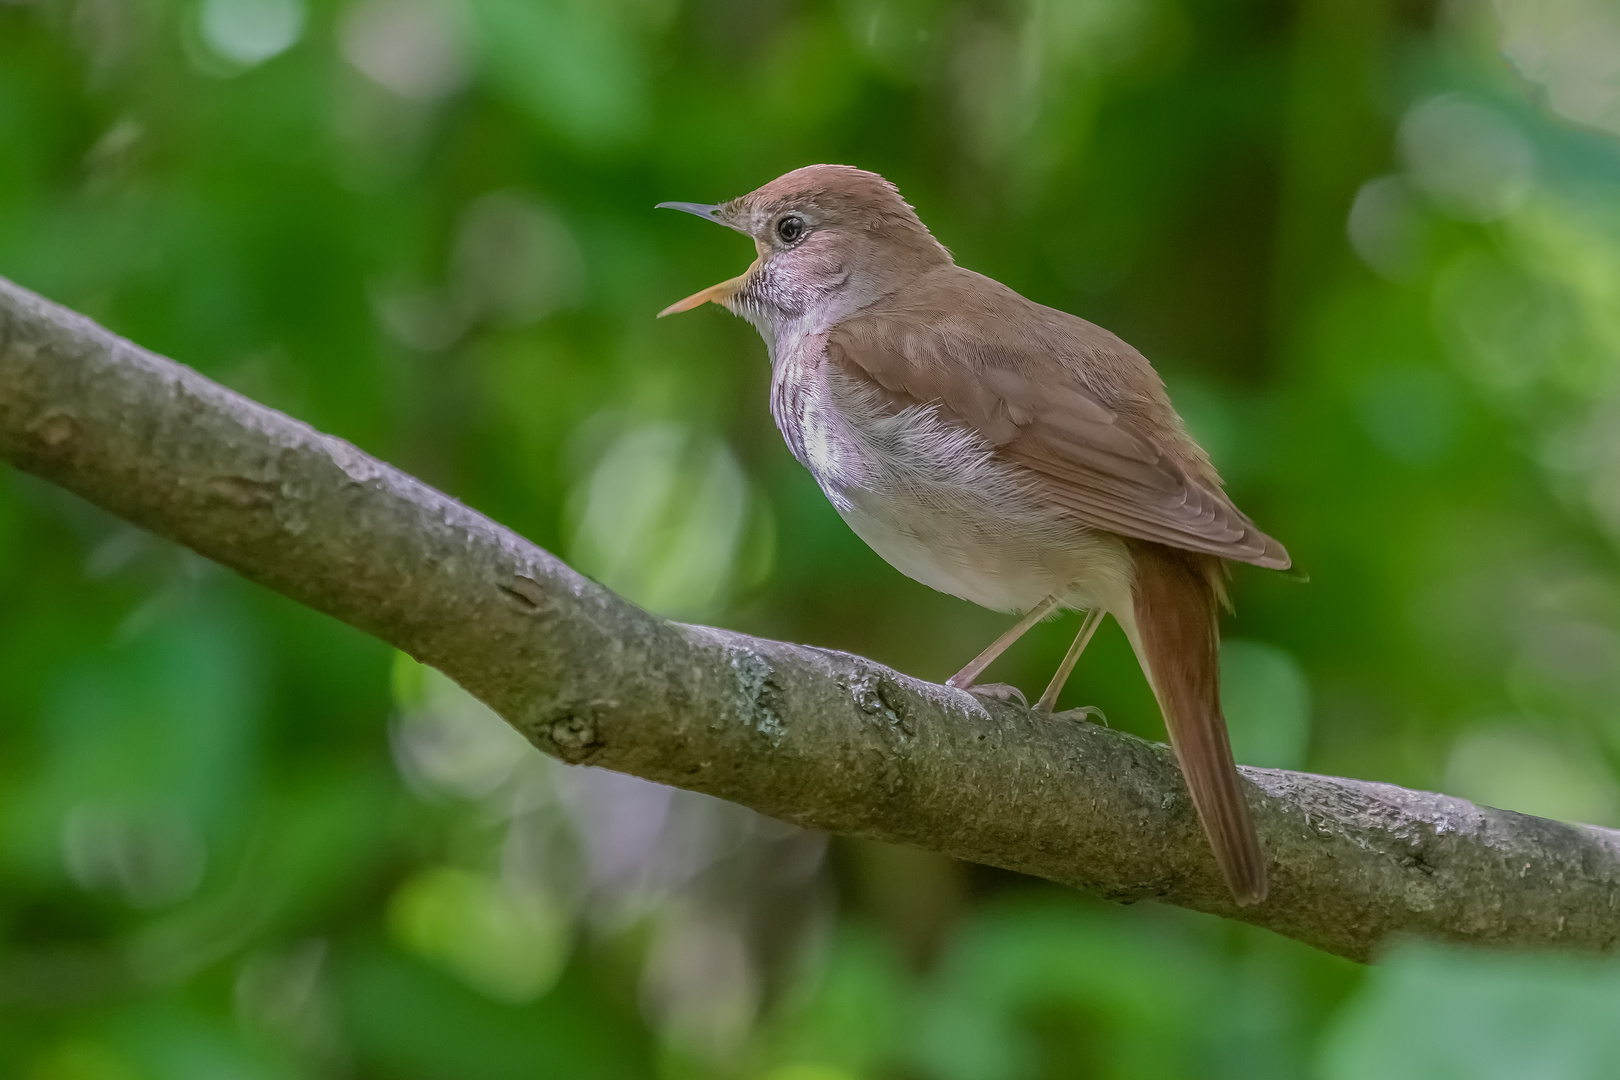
(1017, 374)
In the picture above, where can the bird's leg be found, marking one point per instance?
(964, 678)
(1093, 619)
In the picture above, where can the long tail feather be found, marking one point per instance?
(1176, 639)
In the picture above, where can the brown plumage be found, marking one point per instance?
(1000, 450)
(1060, 397)
(1176, 606)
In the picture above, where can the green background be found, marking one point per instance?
(1373, 246)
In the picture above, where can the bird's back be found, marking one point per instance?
(1075, 412)
(982, 325)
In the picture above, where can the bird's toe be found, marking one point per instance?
(1090, 714)
(1000, 692)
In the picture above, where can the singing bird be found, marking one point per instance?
(998, 450)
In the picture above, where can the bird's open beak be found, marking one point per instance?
(717, 294)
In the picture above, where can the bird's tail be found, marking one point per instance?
(1176, 596)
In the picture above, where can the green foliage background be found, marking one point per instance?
(1373, 246)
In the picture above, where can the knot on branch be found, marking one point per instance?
(573, 738)
(55, 428)
(879, 697)
(244, 492)
(524, 593)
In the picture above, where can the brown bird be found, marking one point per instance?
(998, 450)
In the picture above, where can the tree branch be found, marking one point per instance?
(822, 739)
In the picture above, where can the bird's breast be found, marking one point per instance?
(931, 497)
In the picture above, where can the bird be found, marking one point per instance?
(999, 450)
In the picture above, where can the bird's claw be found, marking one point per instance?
(999, 692)
(1089, 714)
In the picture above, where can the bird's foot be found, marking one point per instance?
(1089, 714)
(999, 692)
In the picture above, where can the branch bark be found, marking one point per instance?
(823, 739)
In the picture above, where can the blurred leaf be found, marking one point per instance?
(664, 518)
(249, 32)
(409, 1023)
(852, 1019)
(799, 1071)
(1410, 414)
(147, 755)
(80, 1059)
(569, 63)
(1505, 766)
(9, 527)
(449, 741)
(157, 1041)
(509, 944)
(408, 681)
(1439, 1014)
(1267, 701)
(318, 841)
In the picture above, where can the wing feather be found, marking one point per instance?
(1037, 394)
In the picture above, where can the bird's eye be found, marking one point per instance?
(790, 228)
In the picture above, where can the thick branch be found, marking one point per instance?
(823, 739)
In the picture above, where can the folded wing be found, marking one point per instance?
(1032, 392)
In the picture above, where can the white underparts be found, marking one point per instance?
(934, 501)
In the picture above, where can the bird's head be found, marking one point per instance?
(830, 239)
